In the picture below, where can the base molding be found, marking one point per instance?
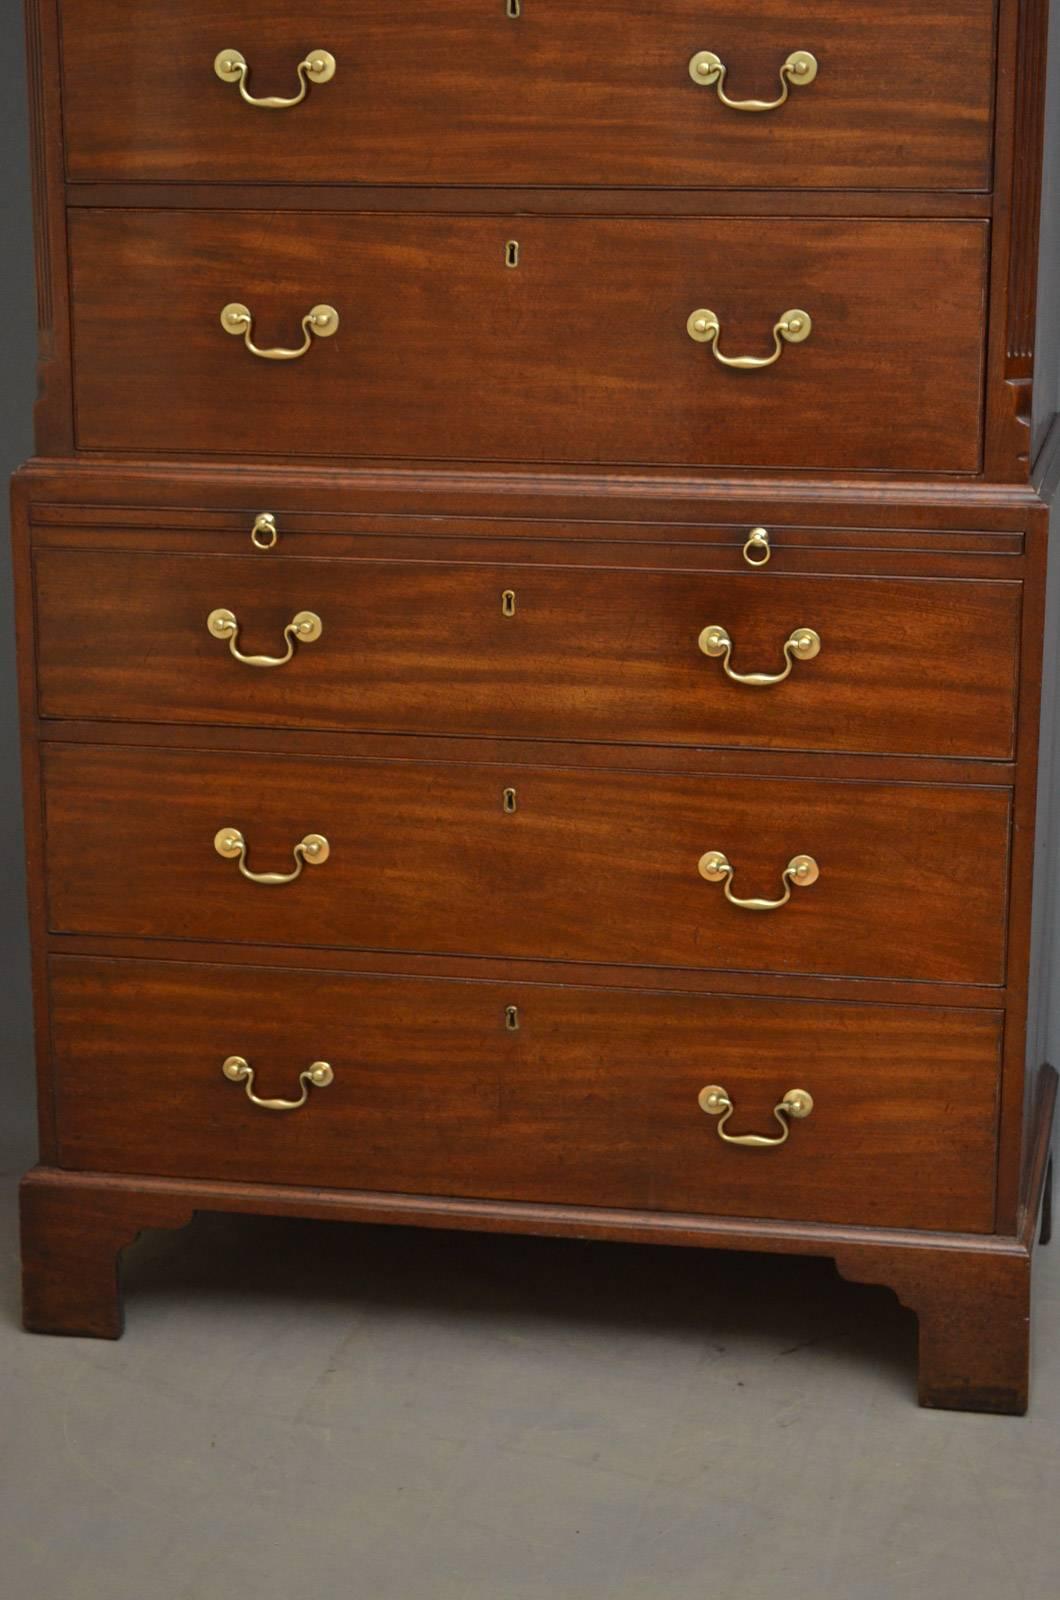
(970, 1292)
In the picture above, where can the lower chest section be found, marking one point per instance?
(650, 866)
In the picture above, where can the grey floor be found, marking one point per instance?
(305, 1411)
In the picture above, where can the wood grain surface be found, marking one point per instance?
(596, 93)
(593, 1100)
(907, 666)
(599, 867)
(579, 355)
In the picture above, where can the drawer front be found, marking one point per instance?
(426, 647)
(596, 93)
(590, 866)
(594, 1100)
(581, 354)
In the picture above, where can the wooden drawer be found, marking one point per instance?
(594, 1100)
(591, 866)
(604, 653)
(581, 354)
(597, 92)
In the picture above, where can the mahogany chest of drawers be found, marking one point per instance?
(532, 598)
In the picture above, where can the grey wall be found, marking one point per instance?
(17, 386)
(1045, 1041)
(1047, 388)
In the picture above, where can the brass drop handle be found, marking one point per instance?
(237, 1069)
(708, 69)
(802, 645)
(796, 1104)
(305, 627)
(311, 851)
(800, 871)
(319, 323)
(318, 67)
(793, 328)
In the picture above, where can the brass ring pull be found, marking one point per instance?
(237, 1069)
(800, 871)
(320, 323)
(757, 550)
(305, 627)
(265, 533)
(802, 645)
(318, 67)
(797, 1104)
(793, 328)
(709, 70)
(311, 851)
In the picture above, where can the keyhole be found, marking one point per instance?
(511, 253)
(508, 603)
(515, 8)
(511, 1018)
(511, 803)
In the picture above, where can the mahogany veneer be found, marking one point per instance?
(433, 1091)
(600, 868)
(579, 355)
(592, 93)
(425, 647)
(514, 492)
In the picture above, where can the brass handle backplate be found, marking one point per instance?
(319, 323)
(708, 69)
(237, 1069)
(797, 1104)
(305, 627)
(792, 328)
(800, 871)
(318, 67)
(311, 851)
(802, 645)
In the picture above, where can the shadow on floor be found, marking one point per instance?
(774, 1306)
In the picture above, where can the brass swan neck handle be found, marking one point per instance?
(319, 323)
(312, 851)
(237, 1069)
(305, 627)
(231, 66)
(709, 70)
(715, 1101)
(793, 327)
(803, 644)
(801, 871)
